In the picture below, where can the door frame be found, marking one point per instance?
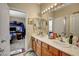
(26, 26)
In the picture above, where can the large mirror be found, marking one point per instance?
(74, 24)
(57, 25)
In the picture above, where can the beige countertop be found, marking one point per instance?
(65, 47)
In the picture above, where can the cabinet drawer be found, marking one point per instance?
(45, 45)
(54, 51)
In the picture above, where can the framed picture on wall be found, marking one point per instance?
(30, 21)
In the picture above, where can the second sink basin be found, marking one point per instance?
(62, 43)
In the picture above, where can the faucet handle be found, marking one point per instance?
(63, 33)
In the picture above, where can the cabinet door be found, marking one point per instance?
(33, 44)
(45, 45)
(38, 47)
(54, 51)
(45, 52)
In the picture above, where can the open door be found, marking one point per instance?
(17, 24)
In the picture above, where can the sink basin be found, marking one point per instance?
(62, 43)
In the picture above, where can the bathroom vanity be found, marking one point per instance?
(52, 47)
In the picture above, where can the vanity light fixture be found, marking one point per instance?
(55, 4)
(41, 12)
(59, 7)
(46, 10)
(51, 6)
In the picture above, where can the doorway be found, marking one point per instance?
(17, 31)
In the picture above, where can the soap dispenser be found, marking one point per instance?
(71, 39)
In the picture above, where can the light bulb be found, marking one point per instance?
(51, 6)
(41, 12)
(46, 10)
(55, 4)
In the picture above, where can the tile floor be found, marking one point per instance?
(29, 53)
(18, 44)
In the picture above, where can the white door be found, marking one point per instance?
(4, 30)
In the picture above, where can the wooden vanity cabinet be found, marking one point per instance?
(43, 49)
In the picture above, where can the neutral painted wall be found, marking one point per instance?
(67, 10)
(31, 9)
(4, 29)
